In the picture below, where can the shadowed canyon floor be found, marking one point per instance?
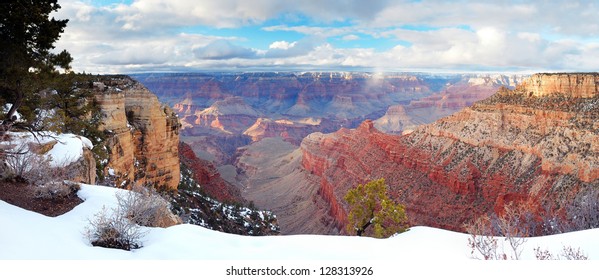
(275, 180)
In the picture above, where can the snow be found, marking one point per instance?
(34, 236)
(26, 235)
(7, 107)
(67, 149)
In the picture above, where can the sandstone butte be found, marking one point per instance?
(536, 145)
(143, 134)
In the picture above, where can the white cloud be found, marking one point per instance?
(565, 17)
(529, 36)
(350, 37)
(283, 49)
(235, 13)
(557, 35)
(282, 45)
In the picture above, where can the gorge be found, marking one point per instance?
(251, 125)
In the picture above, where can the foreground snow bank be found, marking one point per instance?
(28, 235)
(67, 148)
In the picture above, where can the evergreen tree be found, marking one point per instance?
(369, 206)
(27, 37)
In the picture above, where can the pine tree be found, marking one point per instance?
(369, 206)
(27, 37)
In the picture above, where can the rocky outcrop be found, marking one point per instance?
(231, 116)
(143, 134)
(290, 131)
(87, 165)
(540, 148)
(574, 85)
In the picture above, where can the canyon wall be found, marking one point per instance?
(208, 177)
(578, 86)
(232, 119)
(540, 148)
(288, 105)
(230, 107)
(143, 135)
(404, 118)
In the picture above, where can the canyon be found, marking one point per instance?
(221, 112)
(536, 145)
(251, 126)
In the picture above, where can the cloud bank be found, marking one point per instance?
(188, 35)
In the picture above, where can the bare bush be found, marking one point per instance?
(112, 229)
(57, 190)
(481, 242)
(509, 225)
(543, 255)
(567, 253)
(146, 207)
(570, 253)
(21, 163)
(513, 226)
(122, 227)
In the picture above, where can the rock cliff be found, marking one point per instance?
(574, 85)
(538, 144)
(143, 135)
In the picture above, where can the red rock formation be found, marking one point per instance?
(514, 146)
(290, 131)
(187, 107)
(208, 177)
(213, 108)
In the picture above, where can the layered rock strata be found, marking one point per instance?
(404, 118)
(143, 134)
(537, 144)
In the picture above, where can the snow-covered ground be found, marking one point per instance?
(31, 244)
(67, 148)
(26, 235)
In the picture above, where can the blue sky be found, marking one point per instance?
(127, 36)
